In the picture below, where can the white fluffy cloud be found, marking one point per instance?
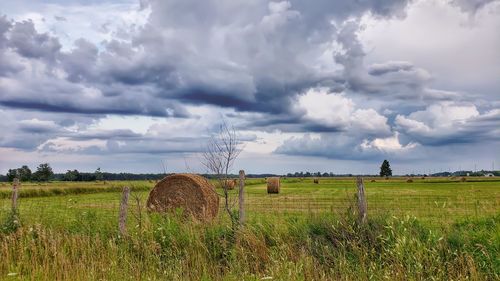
(337, 111)
(447, 122)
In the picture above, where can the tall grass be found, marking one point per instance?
(320, 247)
(61, 190)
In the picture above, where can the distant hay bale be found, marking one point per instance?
(463, 179)
(192, 193)
(372, 181)
(316, 181)
(229, 183)
(409, 180)
(273, 185)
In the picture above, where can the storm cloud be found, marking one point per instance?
(300, 71)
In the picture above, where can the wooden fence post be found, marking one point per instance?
(362, 205)
(15, 193)
(122, 220)
(241, 197)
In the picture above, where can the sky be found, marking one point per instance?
(322, 85)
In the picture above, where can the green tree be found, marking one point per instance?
(72, 176)
(98, 174)
(23, 173)
(385, 169)
(12, 174)
(43, 172)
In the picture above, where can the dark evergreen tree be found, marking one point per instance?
(385, 169)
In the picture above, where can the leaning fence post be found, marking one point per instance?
(362, 205)
(241, 197)
(122, 220)
(15, 193)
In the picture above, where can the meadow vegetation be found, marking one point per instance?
(430, 229)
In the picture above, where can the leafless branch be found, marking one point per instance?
(222, 150)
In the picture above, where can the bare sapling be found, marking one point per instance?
(218, 158)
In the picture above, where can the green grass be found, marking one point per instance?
(437, 229)
(433, 201)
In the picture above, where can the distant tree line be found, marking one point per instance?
(313, 174)
(44, 173)
(465, 173)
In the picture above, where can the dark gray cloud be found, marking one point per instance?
(389, 67)
(254, 58)
(254, 61)
(472, 6)
(60, 18)
(27, 42)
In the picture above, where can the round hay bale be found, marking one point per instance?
(230, 184)
(372, 181)
(463, 179)
(316, 181)
(193, 193)
(273, 185)
(409, 180)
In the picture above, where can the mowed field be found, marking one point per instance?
(433, 200)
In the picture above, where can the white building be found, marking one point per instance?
(489, 175)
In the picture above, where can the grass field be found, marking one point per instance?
(431, 228)
(437, 200)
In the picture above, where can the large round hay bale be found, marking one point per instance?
(409, 180)
(463, 179)
(194, 194)
(273, 185)
(316, 181)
